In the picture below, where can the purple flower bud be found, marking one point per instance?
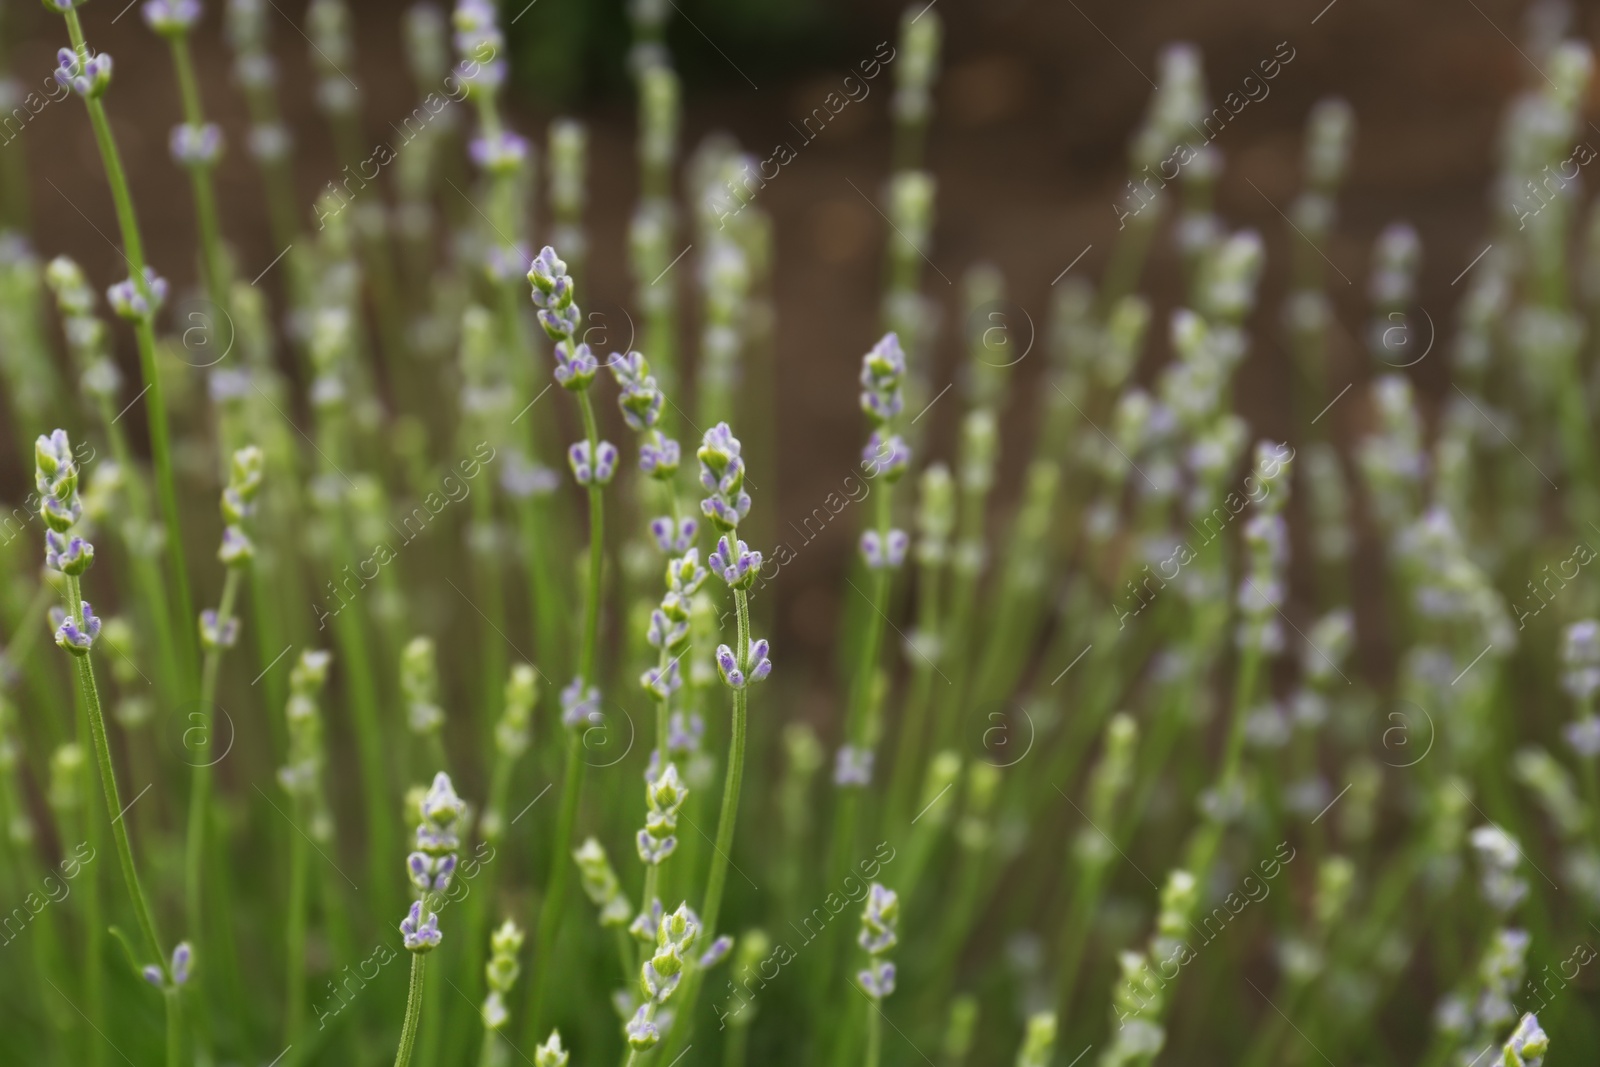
(886, 456)
(713, 955)
(217, 635)
(598, 472)
(153, 975)
(503, 263)
(682, 735)
(548, 276)
(652, 849)
(760, 665)
(735, 563)
(501, 154)
(659, 457)
(662, 683)
(171, 18)
(196, 145)
(728, 667)
(853, 766)
(878, 979)
(883, 371)
(75, 639)
(670, 540)
(580, 704)
(89, 78)
(182, 957)
(575, 366)
(128, 301)
(641, 1032)
(878, 556)
(665, 632)
(69, 556)
(417, 934)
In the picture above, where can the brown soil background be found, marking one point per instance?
(1035, 104)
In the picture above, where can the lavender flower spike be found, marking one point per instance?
(722, 475)
(129, 302)
(595, 471)
(551, 1054)
(879, 922)
(580, 705)
(197, 145)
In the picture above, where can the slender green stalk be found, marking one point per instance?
(295, 956)
(205, 197)
(408, 1030)
(144, 331)
(560, 856)
(874, 1037)
(114, 811)
(200, 795)
(717, 880)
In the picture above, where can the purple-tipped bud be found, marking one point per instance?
(1584, 736)
(760, 665)
(128, 301)
(237, 549)
(713, 955)
(853, 766)
(153, 975)
(641, 1032)
(195, 145)
(417, 934)
(882, 552)
(600, 470)
(68, 555)
(501, 154)
(735, 563)
(75, 639)
(728, 667)
(171, 18)
(659, 457)
(182, 957)
(653, 849)
(575, 365)
(215, 634)
(684, 735)
(674, 540)
(579, 704)
(662, 683)
(877, 980)
(886, 456)
(665, 632)
(549, 278)
(89, 79)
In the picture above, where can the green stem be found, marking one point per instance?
(295, 954)
(556, 883)
(726, 822)
(408, 1029)
(160, 436)
(874, 1037)
(205, 197)
(113, 795)
(200, 796)
(559, 875)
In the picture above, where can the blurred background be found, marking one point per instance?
(1033, 111)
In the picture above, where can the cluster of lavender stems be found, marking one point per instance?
(1128, 637)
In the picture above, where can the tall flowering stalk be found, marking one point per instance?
(137, 299)
(431, 868)
(880, 921)
(195, 144)
(593, 463)
(501, 972)
(722, 475)
(56, 477)
(301, 778)
(219, 631)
